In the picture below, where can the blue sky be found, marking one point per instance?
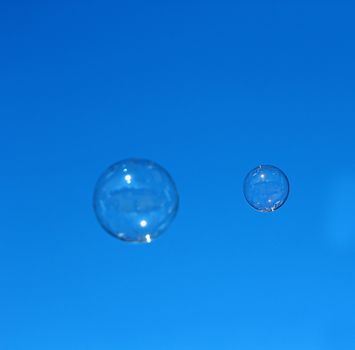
(208, 89)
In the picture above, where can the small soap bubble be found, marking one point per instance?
(135, 200)
(266, 188)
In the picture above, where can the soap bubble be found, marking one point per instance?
(135, 200)
(266, 188)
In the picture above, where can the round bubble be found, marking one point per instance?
(266, 188)
(136, 200)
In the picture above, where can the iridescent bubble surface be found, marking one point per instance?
(136, 200)
(266, 188)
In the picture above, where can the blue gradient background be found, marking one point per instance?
(208, 89)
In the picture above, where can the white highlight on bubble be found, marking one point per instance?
(128, 179)
(143, 223)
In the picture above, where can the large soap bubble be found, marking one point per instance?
(135, 200)
(266, 188)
